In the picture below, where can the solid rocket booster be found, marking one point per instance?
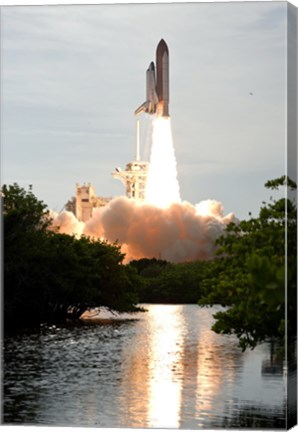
(157, 87)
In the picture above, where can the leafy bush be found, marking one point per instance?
(47, 274)
(256, 265)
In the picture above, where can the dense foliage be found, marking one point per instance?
(164, 282)
(48, 275)
(250, 272)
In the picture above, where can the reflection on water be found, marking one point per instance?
(165, 365)
(164, 369)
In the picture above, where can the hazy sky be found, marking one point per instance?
(72, 77)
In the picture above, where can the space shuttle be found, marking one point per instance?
(157, 84)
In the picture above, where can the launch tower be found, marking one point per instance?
(85, 200)
(134, 176)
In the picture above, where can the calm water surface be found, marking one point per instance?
(163, 369)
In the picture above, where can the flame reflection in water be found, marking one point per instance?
(165, 369)
(166, 336)
(178, 371)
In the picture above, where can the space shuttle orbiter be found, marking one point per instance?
(157, 93)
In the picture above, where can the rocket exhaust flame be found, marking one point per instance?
(162, 188)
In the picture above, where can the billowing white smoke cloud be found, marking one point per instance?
(181, 232)
(66, 223)
(162, 226)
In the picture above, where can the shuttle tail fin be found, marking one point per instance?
(144, 107)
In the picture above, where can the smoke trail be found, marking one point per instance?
(162, 188)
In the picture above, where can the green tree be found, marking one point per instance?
(50, 276)
(248, 275)
(165, 282)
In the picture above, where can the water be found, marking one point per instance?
(163, 369)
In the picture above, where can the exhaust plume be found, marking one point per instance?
(162, 188)
(177, 233)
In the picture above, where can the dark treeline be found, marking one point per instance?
(164, 282)
(52, 276)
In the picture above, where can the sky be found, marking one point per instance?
(72, 76)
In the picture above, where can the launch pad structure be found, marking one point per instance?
(134, 178)
(85, 201)
(135, 175)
